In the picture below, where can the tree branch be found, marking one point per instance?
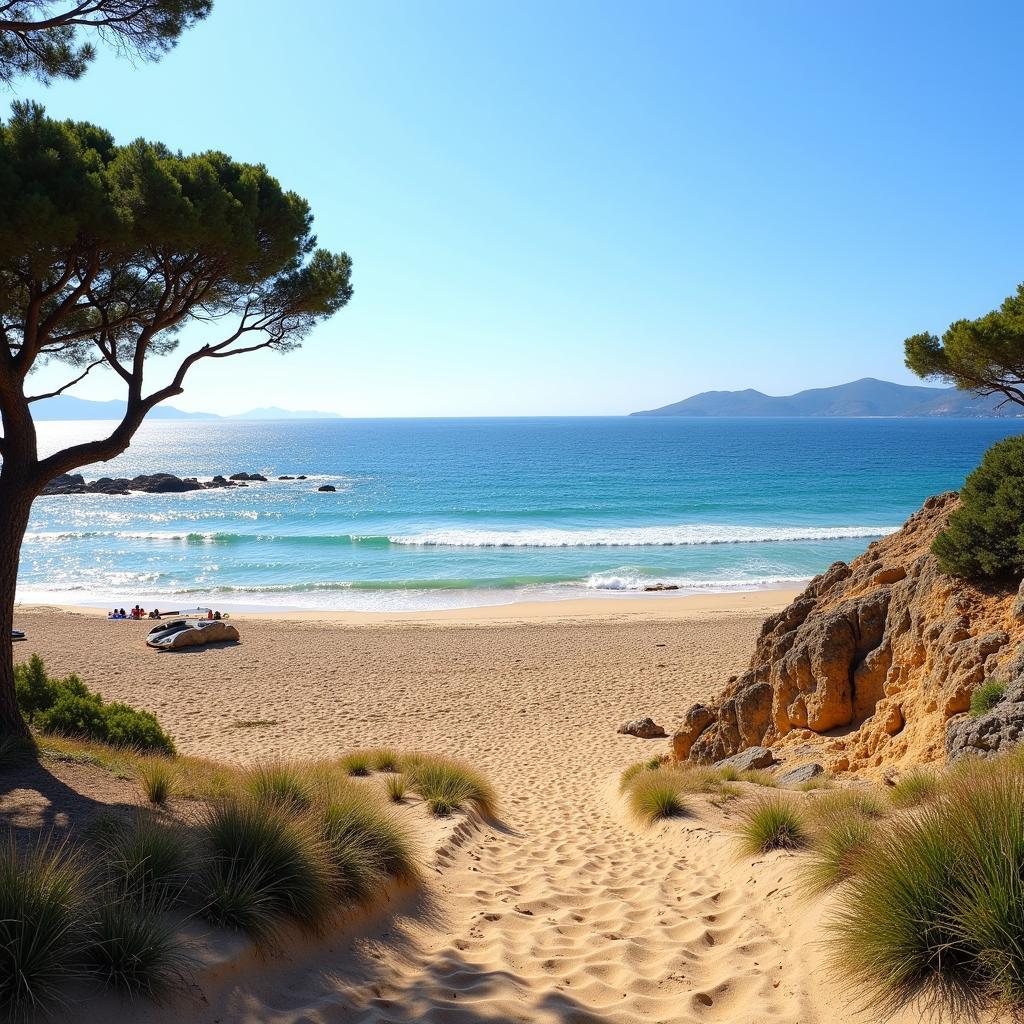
(70, 384)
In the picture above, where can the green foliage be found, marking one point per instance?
(384, 759)
(42, 38)
(772, 823)
(986, 697)
(983, 356)
(914, 788)
(396, 788)
(984, 539)
(263, 867)
(630, 773)
(67, 707)
(657, 794)
(358, 763)
(41, 897)
(447, 785)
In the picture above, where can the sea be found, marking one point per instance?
(441, 513)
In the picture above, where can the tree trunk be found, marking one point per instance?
(15, 505)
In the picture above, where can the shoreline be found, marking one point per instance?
(660, 606)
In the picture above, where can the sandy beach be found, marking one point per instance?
(564, 910)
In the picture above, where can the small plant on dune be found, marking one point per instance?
(860, 802)
(914, 788)
(129, 727)
(840, 839)
(385, 760)
(356, 818)
(729, 773)
(630, 773)
(986, 697)
(772, 823)
(447, 785)
(654, 795)
(41, 898)
(396, 788)
(357, 764)
(757, 777)
(133, 949)
(146, 860)
(279, 784)
(157, 778)
(264, 866)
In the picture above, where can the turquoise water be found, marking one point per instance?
(440, 513)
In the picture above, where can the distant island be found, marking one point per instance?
(67, 407)
(865, 397)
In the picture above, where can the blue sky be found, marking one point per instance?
(589, 208)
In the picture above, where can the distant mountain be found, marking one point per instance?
(865, 397)
(67, 407)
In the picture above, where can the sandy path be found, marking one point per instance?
(565, 910)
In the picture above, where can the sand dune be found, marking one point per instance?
(565, 910)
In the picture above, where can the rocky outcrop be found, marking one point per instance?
(868, 664)
(995, 730)
(151, 483)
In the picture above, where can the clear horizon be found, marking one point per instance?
(587, 211)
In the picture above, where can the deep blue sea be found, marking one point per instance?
(441, 513)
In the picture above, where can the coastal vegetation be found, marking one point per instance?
(984, 539)
(986, 697)
(107, 251)
(771, 823)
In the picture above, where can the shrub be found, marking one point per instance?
(35, 691)
(772, 823)
(41, 895)
(356, 820)
(446, 785)
(986, 697)
(396, 788)
(264, 866)
(916, 787)
(67, 707)
(658, 794)
(281, 785)
(157, 778)
(133, 948)
(984, 538)
(128, 727)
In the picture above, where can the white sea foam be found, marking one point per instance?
(623, 580)
(638, 536)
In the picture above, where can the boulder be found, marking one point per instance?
(645, 728)
(1017, 611)
(327, 488)
(248, 477)
(749, 760)
(801, 774)
(286, 478)
(656, 587)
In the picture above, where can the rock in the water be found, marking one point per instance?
(286, 478)
(327, 488)
(804, 773)
(657, 587)
(749, 759)
(248, 477)
(645, 728)
(147, 483)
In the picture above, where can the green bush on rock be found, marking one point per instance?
(985, 536)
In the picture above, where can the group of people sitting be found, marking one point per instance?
(136, 613)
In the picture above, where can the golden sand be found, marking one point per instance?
(565, 911)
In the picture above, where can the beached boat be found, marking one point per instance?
(17, 634)
(191, 633)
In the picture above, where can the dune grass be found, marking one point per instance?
(653, 795)
(384, 759)
(156, 775)
(396, 788)
(757, 777)
(42, 893)
(772, 823)
(916, 787)
(354, 819)
(147, 861)
(134, 948)
(280, 784)
(357, 763)
(839, 839)
(448, 785)
(862, 801)
(263, 866)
